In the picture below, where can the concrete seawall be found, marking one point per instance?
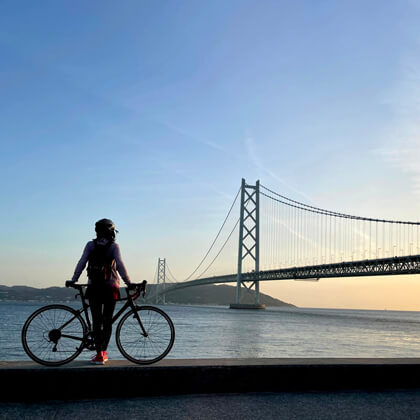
(24, 381)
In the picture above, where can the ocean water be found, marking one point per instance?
(219, 332)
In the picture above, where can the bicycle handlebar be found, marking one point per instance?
(74, 285)
(139, 287)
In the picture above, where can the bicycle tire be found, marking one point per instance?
(139, 349)
(43, 339)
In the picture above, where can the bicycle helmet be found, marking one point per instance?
(105, 228)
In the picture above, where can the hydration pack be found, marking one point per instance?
(100, 263)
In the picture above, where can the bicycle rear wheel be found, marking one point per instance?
(151, 346)
(54, 335)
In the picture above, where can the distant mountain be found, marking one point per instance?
(198, 295)
(218, 295)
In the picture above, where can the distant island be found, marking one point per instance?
(198, 295)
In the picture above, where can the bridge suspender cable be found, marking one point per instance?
(306, 207)
(221, 249)
(215, 239)
(170, 273)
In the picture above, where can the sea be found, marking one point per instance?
(204, 332)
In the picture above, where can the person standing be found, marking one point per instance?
(104, 263)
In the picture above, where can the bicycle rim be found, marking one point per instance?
(160, 338)
(53, 335)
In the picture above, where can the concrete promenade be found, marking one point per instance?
(25, 381)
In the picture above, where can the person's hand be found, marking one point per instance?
(131, 286)
(70, 283)
(143, 287)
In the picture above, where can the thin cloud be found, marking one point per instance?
(407, 161)
(404, 153)
(194, 138)
(263, 169)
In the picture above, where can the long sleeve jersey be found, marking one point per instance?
(114, 252)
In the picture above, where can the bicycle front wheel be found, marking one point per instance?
(54, 335)
(148, 344)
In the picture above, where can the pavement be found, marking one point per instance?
(401, 404)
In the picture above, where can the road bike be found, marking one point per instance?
(56, 334)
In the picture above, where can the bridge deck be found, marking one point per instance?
(376, 267)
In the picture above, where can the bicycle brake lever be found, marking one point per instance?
(143, 287)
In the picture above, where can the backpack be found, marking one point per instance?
(100, 264)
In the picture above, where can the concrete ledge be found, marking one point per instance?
(25, 381)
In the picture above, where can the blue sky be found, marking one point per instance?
(150, 113)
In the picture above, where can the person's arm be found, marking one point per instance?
(120, 265)
(83, 261)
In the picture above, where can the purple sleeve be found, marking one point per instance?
(120, 265)
(83, 261)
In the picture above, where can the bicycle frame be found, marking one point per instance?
(85, 306)
(56, 334)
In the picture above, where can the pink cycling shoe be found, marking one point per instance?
(98, 359)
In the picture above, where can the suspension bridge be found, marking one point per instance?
(278, 238)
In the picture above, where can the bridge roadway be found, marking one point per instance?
(374, 267)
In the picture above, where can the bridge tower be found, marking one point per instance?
(161, 280)
(249, 243)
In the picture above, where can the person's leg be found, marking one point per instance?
(96, 310)
(108, 312)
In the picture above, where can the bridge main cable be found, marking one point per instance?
(312, 209)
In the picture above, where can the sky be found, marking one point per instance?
(151, 113)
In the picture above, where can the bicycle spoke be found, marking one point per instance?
(50, 335)
(158, 342)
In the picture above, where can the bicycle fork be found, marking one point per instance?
(136, 316)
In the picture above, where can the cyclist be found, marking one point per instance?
(104, 261)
